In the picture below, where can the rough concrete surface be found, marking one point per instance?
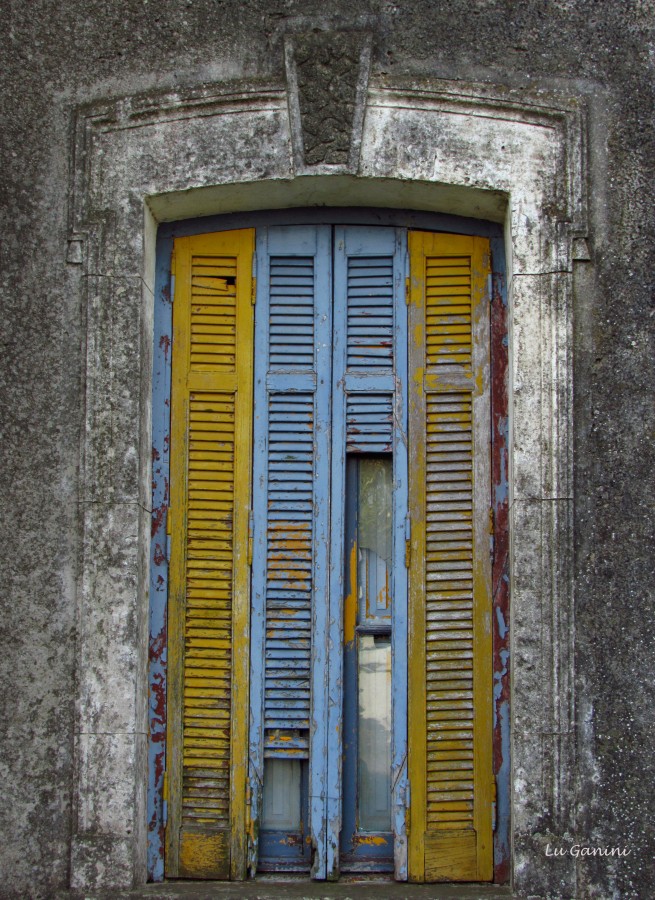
(299, 890)
(57, 56)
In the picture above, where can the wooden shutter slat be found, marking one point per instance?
(450, 603)
(369, 304)
(369, 285)
(369, 423)
(290, 499)
(208, 605)
(291, 299)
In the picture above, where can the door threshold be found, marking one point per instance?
(345, 878)
(281, 887)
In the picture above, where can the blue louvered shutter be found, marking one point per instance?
(369, 417)
(291, 511)
(367, 268)
(369, 423)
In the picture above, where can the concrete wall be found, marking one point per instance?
(63, 56)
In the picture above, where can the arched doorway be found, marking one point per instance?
(328, 608)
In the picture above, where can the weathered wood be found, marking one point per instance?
(211, 400)
(290, 517)
(369, 416)
(450, 747)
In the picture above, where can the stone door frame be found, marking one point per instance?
(430, 145)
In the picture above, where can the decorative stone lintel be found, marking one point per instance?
(327, 76)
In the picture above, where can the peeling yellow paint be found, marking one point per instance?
(210, 491)
(369, 840)
(450, 818)
(350, 602)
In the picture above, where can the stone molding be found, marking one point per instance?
(517, 157)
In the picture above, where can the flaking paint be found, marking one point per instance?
(500, 560)
(157, 646)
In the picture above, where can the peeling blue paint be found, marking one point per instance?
(501, 487)
(502, 627)
(157, 650)
(498, 679)
(501, 844)
(501, 597)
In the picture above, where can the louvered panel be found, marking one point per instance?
(450, 496)
(290, 519)
(213, 314)
(369, 423)
(370, 313)
(208, 520)
(208, 620)
(291, 310)
(289, 573)
(449, 611)
(369, 387)
(448, 311)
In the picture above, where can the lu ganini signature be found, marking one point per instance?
(585, 850)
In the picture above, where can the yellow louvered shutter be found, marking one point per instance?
(450, 677)
(211, 414)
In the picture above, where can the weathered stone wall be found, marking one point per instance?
(58, 57)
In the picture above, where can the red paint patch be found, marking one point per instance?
(158, 519)
(157, 646)
(159, 556)
(160, 760)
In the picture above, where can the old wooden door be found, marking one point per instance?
(330, 498)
